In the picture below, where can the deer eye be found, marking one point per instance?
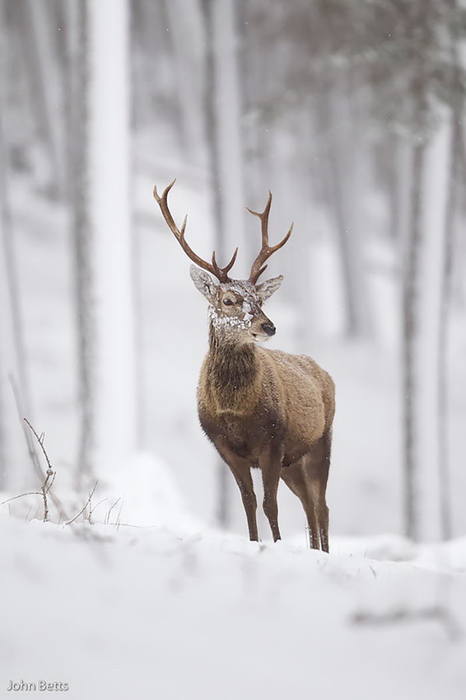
(228, 302)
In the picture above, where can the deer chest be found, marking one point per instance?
(244, 433)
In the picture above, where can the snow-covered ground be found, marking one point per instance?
(171, 614)
(183, 611)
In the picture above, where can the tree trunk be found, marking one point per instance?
(41, 52)
(108, 157)
(399, 150)
(76, 192)
(13, 363)
(457, 54)
(410, 330)
(421, 322)
(223, 112)
(443, 335)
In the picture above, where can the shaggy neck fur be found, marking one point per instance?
(232, 369)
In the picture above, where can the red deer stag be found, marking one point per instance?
(260, 408)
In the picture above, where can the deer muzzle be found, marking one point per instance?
(268, 328)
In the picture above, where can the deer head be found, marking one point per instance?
(235, 306)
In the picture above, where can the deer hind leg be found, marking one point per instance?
(241, 470)
(316, 467)
(294, 477)
(271, 463)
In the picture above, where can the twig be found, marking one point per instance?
(52, 481)
(31, 449)
(118, 520)
(40, 439)
(49, 475)
(21, 495)
(107, 519)
(93, 508)
(89, 498)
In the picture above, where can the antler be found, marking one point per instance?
(266, 251)
(221, 273)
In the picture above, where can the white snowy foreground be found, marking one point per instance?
(138, 613)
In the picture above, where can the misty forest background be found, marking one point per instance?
(352, 113)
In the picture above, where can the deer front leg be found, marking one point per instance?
(241, 470)
(270, 463)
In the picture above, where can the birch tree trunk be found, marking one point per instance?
(44, 65)
(13, 363)
(409, 335)
(76, 192)
(458, 56)
(109, 218)
(223, 113)
(443, 455)
(421, 316)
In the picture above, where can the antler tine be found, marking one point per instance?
(163, 204)
(264, 217)
(227, 268)
(266, 251)
(220, 272)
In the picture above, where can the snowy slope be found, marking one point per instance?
(149, 613)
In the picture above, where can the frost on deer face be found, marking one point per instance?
(235, 306)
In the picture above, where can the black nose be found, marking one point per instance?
(269, 328)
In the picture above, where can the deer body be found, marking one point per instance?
(250, 396)
(261, 408)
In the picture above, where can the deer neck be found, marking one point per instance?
(232, 373)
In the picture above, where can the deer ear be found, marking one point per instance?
(203, 282)
(267, 288)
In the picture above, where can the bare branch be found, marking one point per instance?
(94, 508)
(21, 495)
(50, 474)
(107, 519)
(89, 498)
(40, 439)
(31, 449)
